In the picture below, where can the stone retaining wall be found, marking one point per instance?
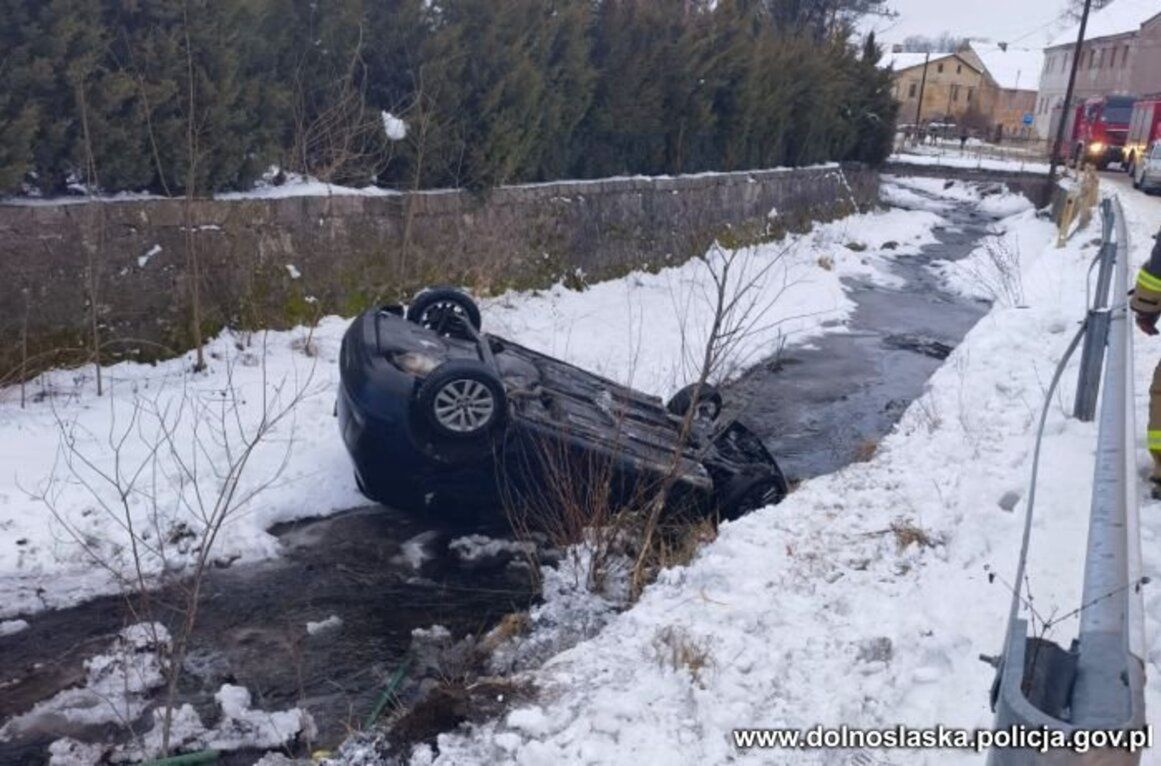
(279, 262)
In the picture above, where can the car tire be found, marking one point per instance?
(462, 400)
(443, 310)
(751, 489)
(709, 402)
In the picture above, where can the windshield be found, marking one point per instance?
(1118, 113)
(1118, 110)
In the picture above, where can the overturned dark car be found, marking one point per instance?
(437, 414)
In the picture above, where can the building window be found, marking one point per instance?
(939, 68)
(911, 90)
(959, 69)
(1125, 57)
(1101, 59)
(969, 94)
(955, 93)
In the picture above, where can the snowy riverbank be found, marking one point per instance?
(866, 598)
(56, 520)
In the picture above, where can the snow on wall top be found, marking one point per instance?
(1117, 18)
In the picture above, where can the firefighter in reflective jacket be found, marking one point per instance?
(1146, 303)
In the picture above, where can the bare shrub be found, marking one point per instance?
(579, 501)
(170, 474)
(907, 533)
(676, 649)
(998, 275)
(344, 139)
(927, 413)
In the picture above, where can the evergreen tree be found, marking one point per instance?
(209, 93)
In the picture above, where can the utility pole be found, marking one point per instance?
(922, 85)
(1068, 94)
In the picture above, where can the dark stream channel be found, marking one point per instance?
(814, 408)
(818, 408)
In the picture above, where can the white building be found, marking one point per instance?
(1121, 55)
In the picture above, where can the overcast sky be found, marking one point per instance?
(1026, 23)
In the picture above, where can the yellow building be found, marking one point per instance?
(952, 89)
(989, 89)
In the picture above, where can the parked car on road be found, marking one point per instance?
(1148, 172)
(435, 412)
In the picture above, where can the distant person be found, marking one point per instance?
(963, 137)
(1146, 303)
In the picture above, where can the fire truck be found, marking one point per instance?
(1144, 129)
(1100, 127)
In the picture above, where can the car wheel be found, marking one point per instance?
(751, 489)
(707, 407)
(444, 310)
(462, 400)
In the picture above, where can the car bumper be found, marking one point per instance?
(393, 465)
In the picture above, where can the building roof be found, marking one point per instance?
(900, 61)
(1014, 68)
(1117, 18)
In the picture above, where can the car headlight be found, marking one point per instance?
(415, 362)
(1096, 147)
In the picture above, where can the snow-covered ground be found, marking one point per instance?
(59, 512)
(866, 597)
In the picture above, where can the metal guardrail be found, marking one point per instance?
(1096, 323)
(1098, 682)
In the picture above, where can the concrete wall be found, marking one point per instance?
(278, 262)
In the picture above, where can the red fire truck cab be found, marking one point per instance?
(1144, 130)
(1099, 130)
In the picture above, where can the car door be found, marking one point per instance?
(1150, 172)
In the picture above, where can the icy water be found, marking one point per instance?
(360, 565)
(817, 409)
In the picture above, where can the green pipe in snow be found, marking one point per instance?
(392, 685)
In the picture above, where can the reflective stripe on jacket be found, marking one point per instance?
(1147, 295)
